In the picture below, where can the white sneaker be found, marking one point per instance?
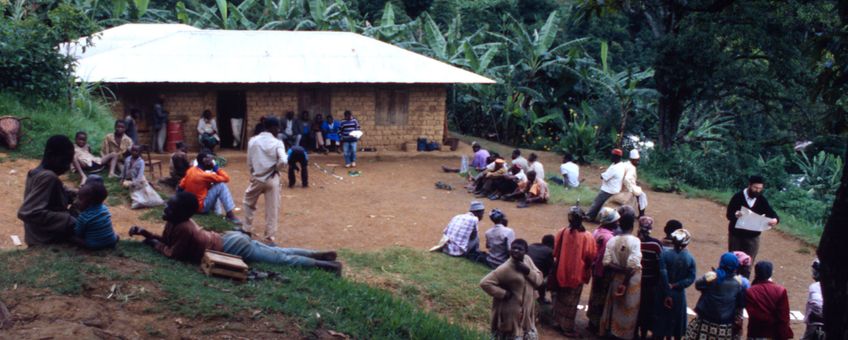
(353, 164)
(347, 165)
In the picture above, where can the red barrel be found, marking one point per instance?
(175, 134)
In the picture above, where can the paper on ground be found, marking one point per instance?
(752, 221)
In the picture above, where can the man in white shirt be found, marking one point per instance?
(630, 184)
(611, 181)
(519, 160)
(265, 156)
(535, 165)
(570, 171)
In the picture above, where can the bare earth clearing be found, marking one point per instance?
(394, 202)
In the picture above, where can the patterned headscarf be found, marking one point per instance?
(646, 223)
(744, 259)
(681, 236)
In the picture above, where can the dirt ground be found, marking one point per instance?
(394, 202)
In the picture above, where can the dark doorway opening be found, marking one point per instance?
(232, 108)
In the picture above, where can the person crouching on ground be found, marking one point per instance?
(512, 287)
(498, 239)
(184, 240)
(93, 229)
(298, 161)
(44, 210)
(209, 187)
(574, 253)
(536, 192)
(462, 234)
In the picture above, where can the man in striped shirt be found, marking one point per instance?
(348, 125)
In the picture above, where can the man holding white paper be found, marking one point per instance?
(741, 239)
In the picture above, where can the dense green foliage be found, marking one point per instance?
(315, 298)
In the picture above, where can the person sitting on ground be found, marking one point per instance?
(477, 181)
(623, 258)
(570, 172)
(512, 287)
(542, 256)
(318, 133)
(183, 240)
(141, 193)
(651, 256)
(209, 187)
(481, 157)
(498, 239)
(536, 192)
(574, 254)
(677, 272)
(535, 165)
(767, 304)
(814, 310)
(330, 128)
(298, 161)
(93, 229)
(744, 270)
(512, 184)
(719, 309)
(178, 166)
(115, 147)
(485, 186)
(85, 162)
(207, 130)
(670, 227)
(44, 210)
(601, 276)
(520, 161)
(290, 132)
(462, 234)
(630, 181)
(611, 182)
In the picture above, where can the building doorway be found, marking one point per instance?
(232, 110)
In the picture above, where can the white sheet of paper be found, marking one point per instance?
(16, 240)
(752, 221)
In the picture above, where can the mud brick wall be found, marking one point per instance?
(426, 109)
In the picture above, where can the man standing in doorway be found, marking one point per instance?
(265, 156)
(160, 122)
(237, 124)
(748, 241)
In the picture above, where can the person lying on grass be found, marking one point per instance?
(44, 210)
(184, 240)
(209, 184)
(93, 229)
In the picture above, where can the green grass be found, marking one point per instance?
(44, 119)
(444, 284)
(315, 299)
(211, 222)
(570, 196)
(802, 229)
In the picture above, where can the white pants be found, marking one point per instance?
(236, 124)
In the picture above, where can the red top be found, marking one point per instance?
(768, 311)
(574, 252)
(197, 182)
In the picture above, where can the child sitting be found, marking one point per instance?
(93, 229)
(179, 165)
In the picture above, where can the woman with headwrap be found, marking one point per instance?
(677, 272)
(44, 210)
(574, 252)
(623, 260)
(601, 276)
(719, 309)
(767, 304)
(814, 314)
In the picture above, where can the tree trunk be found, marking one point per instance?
(832, 253)
(670, 110)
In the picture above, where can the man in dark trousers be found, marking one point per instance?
(542, 256)
(298, 159)
(748, 241)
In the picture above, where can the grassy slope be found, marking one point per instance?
(352, 308)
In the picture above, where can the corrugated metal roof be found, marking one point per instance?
(172, 53)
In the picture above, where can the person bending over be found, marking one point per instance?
(184, 240)
(209, 184)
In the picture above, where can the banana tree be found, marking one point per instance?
(622, 86)
(389, 30)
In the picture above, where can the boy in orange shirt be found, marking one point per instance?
(208, 183)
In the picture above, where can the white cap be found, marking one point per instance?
(634, 154)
